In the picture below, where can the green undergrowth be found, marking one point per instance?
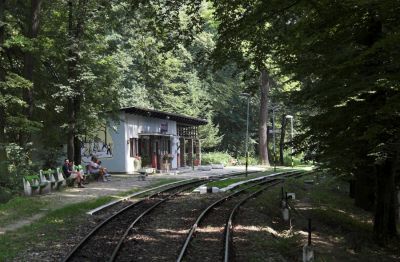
(20, 206)
(49, 228)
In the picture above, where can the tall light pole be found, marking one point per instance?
(291, 136)
(273, 133)
(247, 128)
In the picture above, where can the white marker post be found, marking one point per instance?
(285, 210)
(308, 249)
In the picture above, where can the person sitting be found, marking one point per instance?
(105, 171)
(69, 173)
(96, 169)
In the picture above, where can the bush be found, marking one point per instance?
(216, 158)
(287, 160)
(19, 165)
(251, 161)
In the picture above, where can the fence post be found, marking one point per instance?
(308, 249)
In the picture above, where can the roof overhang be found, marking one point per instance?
(155, 134)
(180, 119)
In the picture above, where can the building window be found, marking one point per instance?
(133, 147)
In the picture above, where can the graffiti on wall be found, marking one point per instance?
(100, 147)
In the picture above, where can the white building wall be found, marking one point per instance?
(136, 124)
(118, 162)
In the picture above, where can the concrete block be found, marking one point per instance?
(205, 168)
(291, 195)
(308, 253)
(217, 166)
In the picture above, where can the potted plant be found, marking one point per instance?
(137, 163)
(167, 158)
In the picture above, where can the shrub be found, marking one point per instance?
(216, 158)
(287, 160)
(251, 160)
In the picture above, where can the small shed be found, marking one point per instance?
(147, 138)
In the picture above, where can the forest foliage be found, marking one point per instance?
(333, 65)
(65, 63)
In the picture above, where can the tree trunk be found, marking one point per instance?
(385, 210)
(282, 140)
(71, 64)
(3, 155)
(364, 185)
(270, 140)
(33, 24)
(263, 143)
(74, 102)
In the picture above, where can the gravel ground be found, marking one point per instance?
(167, 225)
(162, 234)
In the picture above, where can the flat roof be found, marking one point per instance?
(180, 119)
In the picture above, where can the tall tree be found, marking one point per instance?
(343, 60)
(32, 32)
(3, 154)
(263, 122)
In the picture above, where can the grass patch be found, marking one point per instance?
(42, 232)
(288, 246)
(341, 220)
(20, 207)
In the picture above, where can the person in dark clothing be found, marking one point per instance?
(69, 173)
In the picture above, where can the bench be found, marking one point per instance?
(52, 176)
(59, 177)
(33, 185)
(144, 172)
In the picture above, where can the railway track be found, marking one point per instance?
(212, 226)
(109, 241)
(101, 242)
(114, 206)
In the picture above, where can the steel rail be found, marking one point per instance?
(228, 226)
(202, 215)
(91, 233)
(122, 239)
(110, 204)
(229, 223)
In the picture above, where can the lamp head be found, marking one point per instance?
(289, 116)
(245, 95)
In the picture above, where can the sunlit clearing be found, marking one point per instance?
(256, 229)
(169, 231)
(209, 229)
(142, 237)
(57, 221)
(106, 188)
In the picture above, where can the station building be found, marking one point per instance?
(146, 138)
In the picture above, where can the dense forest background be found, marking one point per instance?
(333, 65)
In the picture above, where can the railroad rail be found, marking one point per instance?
(115, 203)
(270, 181)
(133, 210)
(143, 207)
(229, 223)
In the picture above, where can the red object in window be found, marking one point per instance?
(154, 160)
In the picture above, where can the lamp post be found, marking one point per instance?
(273, 133)
(291, 135)
(247, 128)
